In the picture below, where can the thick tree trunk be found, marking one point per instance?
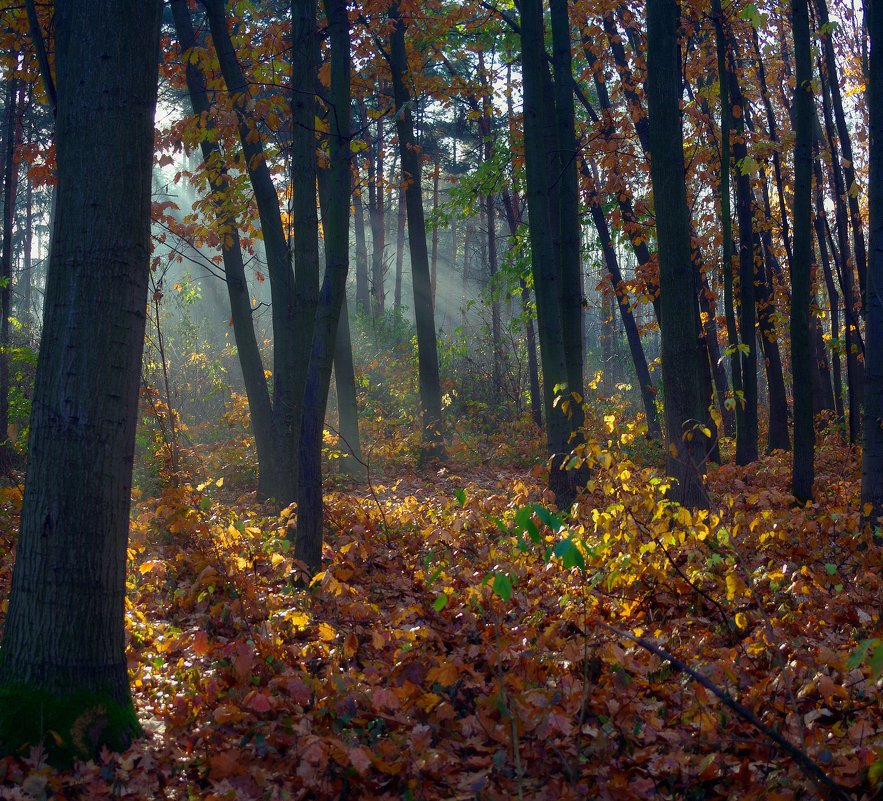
(872, 453)
(64, 664)
(802, 471)
(544, 265)
(308, 547)
(254, 379)
(567, 185)
(409, 156)
(681, 365)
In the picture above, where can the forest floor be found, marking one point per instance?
(459, 643)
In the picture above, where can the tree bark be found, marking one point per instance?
(872, 453)
(802, 471)
(290, 337)
(544, 264)
(310, 513)
(681, 365)
(64, 658)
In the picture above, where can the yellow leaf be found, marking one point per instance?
(326, 632)
(741, 621)
(734, 585)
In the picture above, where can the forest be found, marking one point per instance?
(441, 401)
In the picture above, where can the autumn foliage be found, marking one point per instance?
(458, 642)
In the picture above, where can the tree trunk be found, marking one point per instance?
(64, 662)
(620, 292)
(310, 515)
(831, 78)
(410, 158)
(567, 186)
(845, 268)
(802, 471)
(376, 215)
(681, 366)
(290, 336)
(363, 294)
(347, 405)
(544, 265)
(10, 185)
(746, 444)
(872, 453)
(400, 248)
(254, 379)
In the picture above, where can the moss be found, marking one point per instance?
(69, 726)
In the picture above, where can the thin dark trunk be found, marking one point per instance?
(802, 471)
(376, 216)
(254, 379)
(410, 158)
(831, 77)
(10, 184)
(620, 291)
(289, 332)
(746, 445)
(831, 287)
(347, 402)
(513, 218)
(844, 261)
(436, 172)
(400, 248)
(363, 294)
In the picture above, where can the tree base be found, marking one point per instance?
(69, 727)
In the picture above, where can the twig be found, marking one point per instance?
(807, 765)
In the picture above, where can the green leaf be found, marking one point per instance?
(460, 495)
(440, 603)
(830, 569)
(569, 554)
(502, 586)
(857, 657)
(524, 522)
(552, 520)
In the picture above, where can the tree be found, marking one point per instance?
(410, 159)
(63, 658)
(331, 296)
(872, 454)
(801, 354)
(681, 376)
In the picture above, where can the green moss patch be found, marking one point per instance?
(73, 726)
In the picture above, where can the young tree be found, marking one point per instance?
(63, 666)
(681, 376)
